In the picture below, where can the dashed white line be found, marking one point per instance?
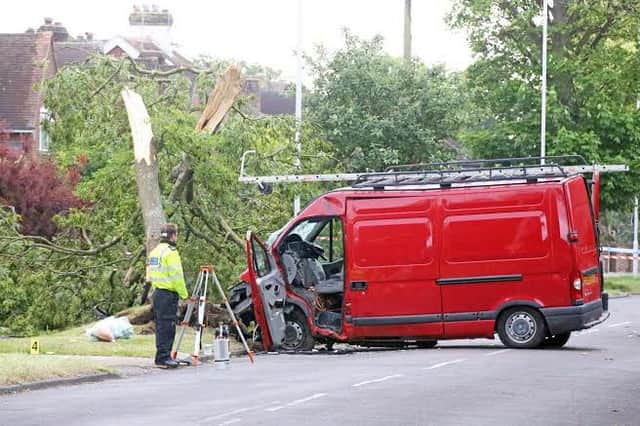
(589, 331)
(620, 324)
(238, 411)
(296, 402)
(276, 408)
(309, 398)
(442, 364)
(382, 379)
(230, 422)
(501, 351)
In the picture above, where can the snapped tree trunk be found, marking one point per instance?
(146, 168)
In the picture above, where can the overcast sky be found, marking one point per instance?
(260, 31)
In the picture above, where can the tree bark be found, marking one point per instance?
(146, 168)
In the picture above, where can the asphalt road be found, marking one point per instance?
(594, 380)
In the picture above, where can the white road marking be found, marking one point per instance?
(619, 324)
(296, 402)
(309, 398)
(442, 364)
(497, 352)
(238, 411)
(587, 331)
(382, 379)
(230, 422)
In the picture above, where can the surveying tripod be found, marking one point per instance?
(198, 301)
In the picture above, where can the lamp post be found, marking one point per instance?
(543, 108)
(298, 164)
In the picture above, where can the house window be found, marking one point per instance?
(43, 140)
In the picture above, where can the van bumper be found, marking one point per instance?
(572, 318)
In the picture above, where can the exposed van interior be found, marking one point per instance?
(312, 255)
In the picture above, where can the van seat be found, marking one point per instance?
(333, 285)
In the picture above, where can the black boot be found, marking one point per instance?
(168, 363)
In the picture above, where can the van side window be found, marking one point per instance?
(330, 239)
(260, 259)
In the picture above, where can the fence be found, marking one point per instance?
(619, 260)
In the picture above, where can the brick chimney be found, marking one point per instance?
(59, 31)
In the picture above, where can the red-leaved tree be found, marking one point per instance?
(35, 187)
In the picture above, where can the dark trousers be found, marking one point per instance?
(165, 307)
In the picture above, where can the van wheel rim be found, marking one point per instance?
(293, 335)
(521, 327)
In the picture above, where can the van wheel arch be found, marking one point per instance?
(519, 303)
(521, 326)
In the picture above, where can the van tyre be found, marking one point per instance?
(521, 327)
(556, 341)
(297, 334)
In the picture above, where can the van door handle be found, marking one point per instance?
(358, 285)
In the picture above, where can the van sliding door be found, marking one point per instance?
(392, 267)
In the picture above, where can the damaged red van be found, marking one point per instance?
(440, 251)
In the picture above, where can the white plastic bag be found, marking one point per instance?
(110, 329)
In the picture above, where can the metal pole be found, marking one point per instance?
(543, 108)
(407, 30)
(296, 200)
(635, 238)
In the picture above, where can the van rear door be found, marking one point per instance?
(392, 265)
(582, 236)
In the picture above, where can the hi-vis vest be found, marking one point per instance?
(164, 270)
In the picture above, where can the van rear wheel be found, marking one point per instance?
(521, 327)
(297, 334)
(556, 341)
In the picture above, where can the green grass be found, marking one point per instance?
(621, 285)
(18, 366)
(22, 368)
(75, 342)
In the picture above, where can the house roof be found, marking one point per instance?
(148, 51)
(23, 65)
(75, 52)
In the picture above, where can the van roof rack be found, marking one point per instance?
(500, 169)
(447, 173)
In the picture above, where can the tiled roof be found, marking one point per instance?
(75, 52)
(27, 59)
(149, 52)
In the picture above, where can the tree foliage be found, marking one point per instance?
(96, 258)
(34, 188)
(592, 82)
(379, 110)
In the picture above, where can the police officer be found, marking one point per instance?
(164, 270)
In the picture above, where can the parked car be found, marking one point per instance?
(417, 256)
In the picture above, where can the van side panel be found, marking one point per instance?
(392, 265)
(585, 248)
(498, 247)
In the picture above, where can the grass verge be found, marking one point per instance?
(22, 368)
(74, 342)
(622, 284)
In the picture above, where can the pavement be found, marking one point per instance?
(594, 380)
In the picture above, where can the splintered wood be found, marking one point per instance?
(220, 100)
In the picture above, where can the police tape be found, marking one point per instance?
(619, 256)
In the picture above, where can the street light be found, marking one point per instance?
(543, 109)
(298, 164)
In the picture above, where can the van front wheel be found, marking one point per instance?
(521, 327)
(297, 334)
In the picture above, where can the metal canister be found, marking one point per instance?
(221, 352)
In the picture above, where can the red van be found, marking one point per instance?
(413, 257)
